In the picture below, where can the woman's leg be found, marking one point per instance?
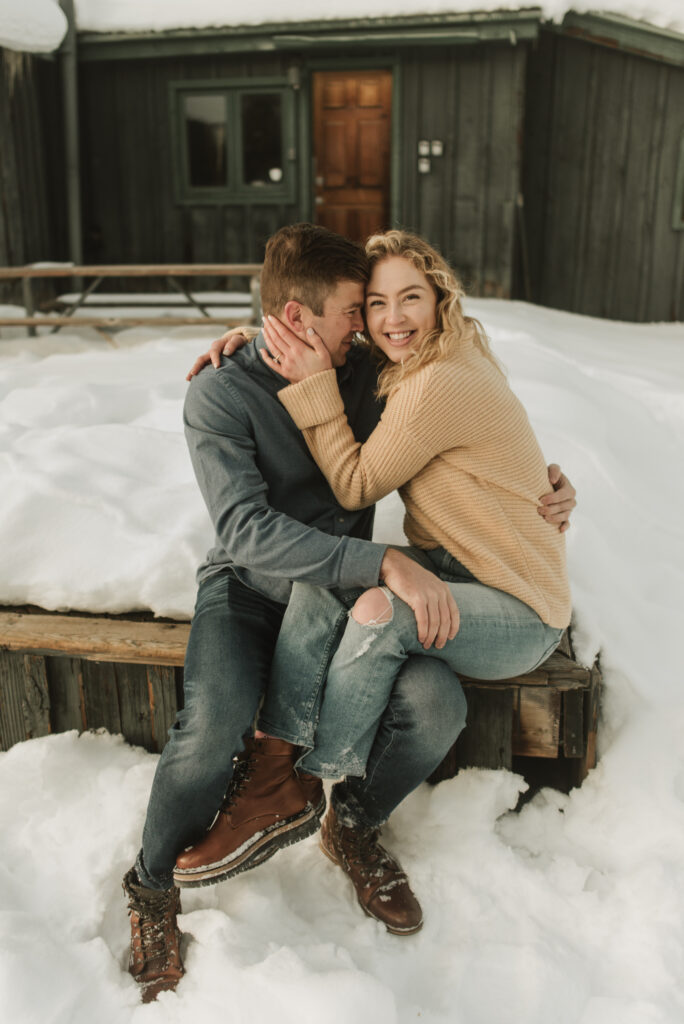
(311, 629)
(499, 637)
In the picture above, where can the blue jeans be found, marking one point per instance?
(499, 637)
(232, 641)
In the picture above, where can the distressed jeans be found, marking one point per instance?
(499, 637)
(232, 641)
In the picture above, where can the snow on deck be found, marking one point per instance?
(571, 911)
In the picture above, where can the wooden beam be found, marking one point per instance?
(95, 639)
(119, 321)
(134, 270)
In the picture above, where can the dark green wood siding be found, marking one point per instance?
(32, 200)
(131, 213)
(602, 137)
(472, 99)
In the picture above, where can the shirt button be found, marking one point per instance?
(340, 519)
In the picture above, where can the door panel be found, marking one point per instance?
(351, 114)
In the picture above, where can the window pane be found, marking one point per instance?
(262, 139)
(205, 138)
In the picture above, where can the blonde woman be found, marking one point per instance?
(457, 444)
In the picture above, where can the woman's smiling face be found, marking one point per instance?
(400, 307)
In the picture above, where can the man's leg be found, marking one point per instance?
(231, 642)
(426, 713)
(233, 635)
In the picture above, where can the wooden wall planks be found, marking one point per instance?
(601, 141)
(132, 212)
(470, 98)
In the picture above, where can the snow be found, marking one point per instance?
(570, 911)
(39, 25)
(154, 15)
(36, 26)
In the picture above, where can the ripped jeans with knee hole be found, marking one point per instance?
(499, 637)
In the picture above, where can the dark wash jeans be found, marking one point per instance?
(227, 665)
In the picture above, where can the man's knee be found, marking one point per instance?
(433, 696)
(373, 608)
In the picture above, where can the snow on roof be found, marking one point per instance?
(39, 25)
(158, 15)
(35, 26)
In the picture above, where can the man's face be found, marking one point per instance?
(340, 321)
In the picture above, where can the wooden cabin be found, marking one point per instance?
(33, 210)
(545, 161)
(198, 145)
(603, 170)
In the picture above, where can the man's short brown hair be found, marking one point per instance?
(305, 263)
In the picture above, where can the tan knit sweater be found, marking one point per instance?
(457, 443)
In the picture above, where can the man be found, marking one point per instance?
(277, 521)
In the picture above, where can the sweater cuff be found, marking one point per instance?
(313, 400)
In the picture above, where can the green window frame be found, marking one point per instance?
(678, 205)
(235, 96)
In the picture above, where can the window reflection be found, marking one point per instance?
(205, 133)
(262, 142)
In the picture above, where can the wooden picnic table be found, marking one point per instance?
(170, 271)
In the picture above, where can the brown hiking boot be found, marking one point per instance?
(313, 790)
(155, 960)
(382, 888)
(266, 808)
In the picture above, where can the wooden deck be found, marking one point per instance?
(60, 672)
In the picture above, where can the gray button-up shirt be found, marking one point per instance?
(275, 516)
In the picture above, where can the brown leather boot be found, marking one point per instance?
(155, 960)
(382, 888)
(265, 808)
(313, 790)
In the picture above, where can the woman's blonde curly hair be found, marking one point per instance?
(453, 326)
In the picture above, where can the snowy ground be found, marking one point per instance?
(571, 912)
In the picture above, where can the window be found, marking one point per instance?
(234, 141)
(678, 206)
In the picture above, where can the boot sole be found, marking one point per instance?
(367, 912)
(275, 838)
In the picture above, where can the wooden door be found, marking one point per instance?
(351, 111)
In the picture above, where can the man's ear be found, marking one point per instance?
(294, 316)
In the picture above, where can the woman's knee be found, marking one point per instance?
(373, 608)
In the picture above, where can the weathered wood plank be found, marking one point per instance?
(538, 726)
(95, 639)
(573, 723)
(24, 699)
(163, 703)
(36, 696)
(12, 722)
(135, 270)
(65, 684)
(134, 705)
(101, 696)
(487, 741)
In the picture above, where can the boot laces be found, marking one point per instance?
(243, 767)
(370, 857)
(155, 910)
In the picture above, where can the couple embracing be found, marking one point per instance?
(345, 653)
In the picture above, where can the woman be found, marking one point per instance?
(457, 444)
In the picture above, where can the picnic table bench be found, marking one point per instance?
(170, 272)
(125, 674)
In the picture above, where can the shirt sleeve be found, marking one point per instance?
(360, 474)
(254, 534)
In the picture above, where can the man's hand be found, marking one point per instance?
(226, 345)
(433, 605)
(557, 506)
(291, 357)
